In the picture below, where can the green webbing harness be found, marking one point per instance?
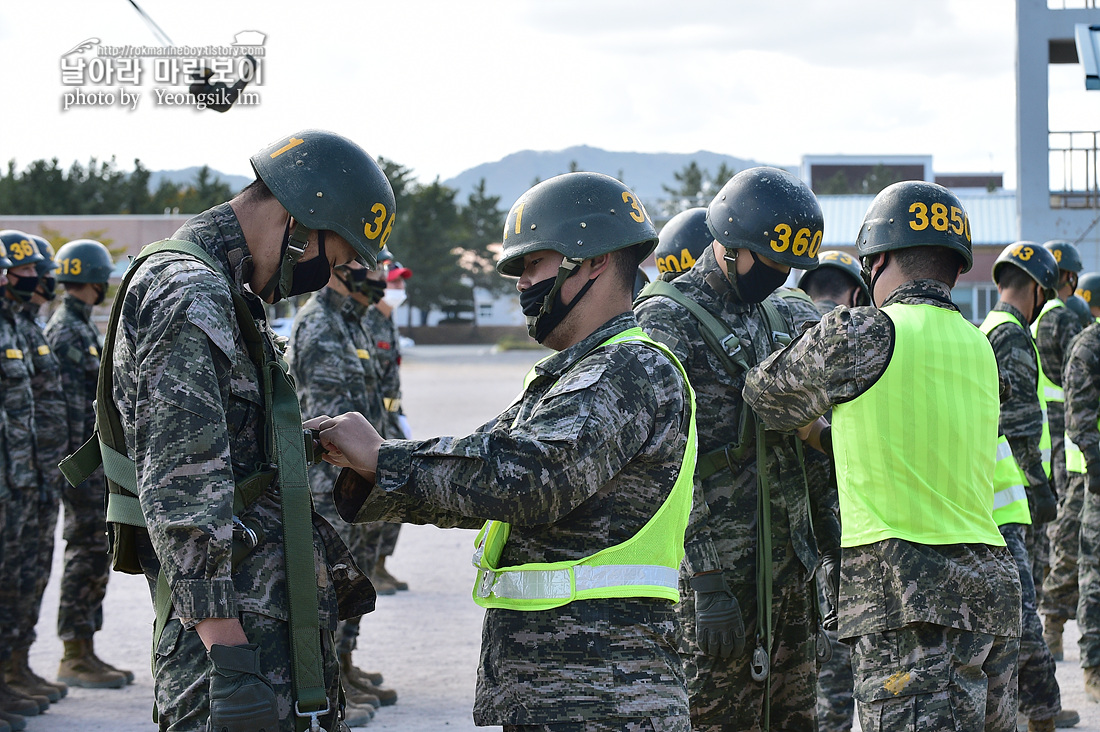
(285, 444)
(726, 346)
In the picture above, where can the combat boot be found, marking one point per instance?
(5, 727)
(17, 722)
(78, 667)
(381, 573)
(1040, 725)
(1092, 683)
(14, 702)
(385, 696)
(18, 674)
(103, 664)
(1066, 718)
(356, 715)
(352, 674)
(1052, 635)
(360, 697)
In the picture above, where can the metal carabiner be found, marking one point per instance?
(314, 722)
(761, 665)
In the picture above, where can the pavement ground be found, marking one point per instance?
(426, 640)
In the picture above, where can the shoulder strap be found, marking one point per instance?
(718, 337)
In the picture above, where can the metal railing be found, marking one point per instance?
(1074, 175)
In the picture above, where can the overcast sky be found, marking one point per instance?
(443, 86)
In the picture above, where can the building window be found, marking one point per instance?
(485, 310)
(975, 300)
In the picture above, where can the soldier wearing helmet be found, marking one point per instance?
(937, 600)
(20, 481)
(582, 487)
(205, 437)
(1054, 330)
(681, 242)
(84, 267)
(51, 424)
(745, 580)
(1081, 378)
(1026, 275)
(836, 281)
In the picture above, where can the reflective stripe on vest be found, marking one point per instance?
(1048, 390)
(913, 453)
(1009, 495)
(645, 565)
(994, 319)
(1075, 459)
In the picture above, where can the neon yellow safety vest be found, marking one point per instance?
(1048, 390)
(912, 453)
(645, 565)
(1009, 496)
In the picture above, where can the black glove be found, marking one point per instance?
(718, 627)
(828, 588)
(241, 698)
(1093, 479)
(1042, 503)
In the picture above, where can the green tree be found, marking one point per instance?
(836, 185)
(695, 186)
(878, 178)
(429, 246)
(480, 244)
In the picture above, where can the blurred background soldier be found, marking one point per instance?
(1026, 274)
(19, 489)
(681, 242)
(835, 282)
(932, 608)
(752, 546)
(51, 445)
(84, 269)
(383, 331)
(332, 361)
(1082, 382)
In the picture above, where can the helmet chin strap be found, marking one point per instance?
(293, 247)
(566, 269)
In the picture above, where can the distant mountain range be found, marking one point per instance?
(644, 173)
(509, 177)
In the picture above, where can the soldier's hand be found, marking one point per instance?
(351, 442)
(719, 630)
(1042, 503)
(828, 581)
(241, 697)
(1093, 477)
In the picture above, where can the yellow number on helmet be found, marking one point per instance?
(372, 229)
(636, 211)
(784, 242)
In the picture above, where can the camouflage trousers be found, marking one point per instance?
(181, 673)
(835, 704)
(1059, 598)
(37, 570)
(640, 724)
(930, 677)
(18, 579)
(722, 693)
(357, 539)
(1040, 697)
(1088, 567)
(383, 537)
(84, 574)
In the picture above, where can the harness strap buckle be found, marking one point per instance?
(314, 722)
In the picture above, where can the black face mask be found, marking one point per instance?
(102, 294)
(23, 286)
(760, 281)
(311, 275)
(49, 287)
(531, 300)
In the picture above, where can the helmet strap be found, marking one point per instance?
(730, 256)
(293, 247)
(540, 326)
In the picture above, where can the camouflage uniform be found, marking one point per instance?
(51, 422)
(1082, 382)
(1060, 588)
(1053, 335)
(334, 370)
(722, 534)
(1021, 421)
(192, 411)
(75, 342)
(383, 534)
(20, 528)
(937, 622)
(581, 461)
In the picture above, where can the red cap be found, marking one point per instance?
(398, 273)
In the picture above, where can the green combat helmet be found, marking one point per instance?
(327, 183)
(915, 213)
(1080, 308)
(579, 215)
(22, 252)
(5, 263)
(1088, 288)
(770, 212)
(682, 241)
(84, 260)
(1065, 254)
(1033, 259)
